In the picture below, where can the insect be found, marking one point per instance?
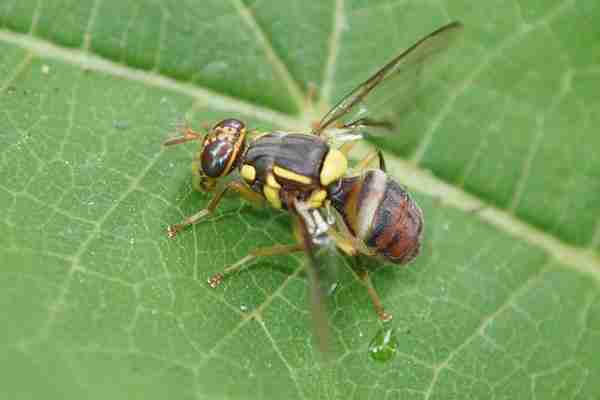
(367, 213)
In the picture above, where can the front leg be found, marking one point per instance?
(238, 186)
(172, 230)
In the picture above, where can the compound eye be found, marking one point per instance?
(215, 157)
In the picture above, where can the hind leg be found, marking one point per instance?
(354, 247)
(368, 159)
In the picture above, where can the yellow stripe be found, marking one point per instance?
(271, 181)
(248, 172)
(316, 198)
(291, 175)
(272, 195)
(334, 166)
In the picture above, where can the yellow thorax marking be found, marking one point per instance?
(272, 195)
(316, 198)
(271, 181)
(334, 167)
(248, 172)
(271, 191)
(291, 175)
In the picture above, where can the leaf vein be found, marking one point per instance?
(334, 46)
(218, 101)
(292, 85)
(480, 330)
(57, 304)
(476, 72)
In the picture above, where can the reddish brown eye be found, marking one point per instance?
(215, 157)
(221, 147)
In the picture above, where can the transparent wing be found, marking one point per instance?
(322, 266)
(378, 101)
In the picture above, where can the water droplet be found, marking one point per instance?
(243, 308)
(45, 69)
(384, 345)
(332, 289)
(121, 125)
(132, 240)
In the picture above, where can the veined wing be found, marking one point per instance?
(323, 258)
(378, 101)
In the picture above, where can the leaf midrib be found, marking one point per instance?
(583, 260)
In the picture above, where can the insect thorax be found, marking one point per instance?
(300, 163)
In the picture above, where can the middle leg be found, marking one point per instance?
(280, 249)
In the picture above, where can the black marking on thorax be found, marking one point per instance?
(302, 154)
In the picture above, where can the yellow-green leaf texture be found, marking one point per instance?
(503, 156)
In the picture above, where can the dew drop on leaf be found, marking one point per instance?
(121, 125)
(332, 289)
(384, 345)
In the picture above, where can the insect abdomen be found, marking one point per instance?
(382, 214)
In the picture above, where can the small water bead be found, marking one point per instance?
(332, 289)
(384, 345)
(121, 125)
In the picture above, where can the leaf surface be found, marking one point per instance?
(500, 152)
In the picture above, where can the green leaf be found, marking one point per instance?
(500, 152)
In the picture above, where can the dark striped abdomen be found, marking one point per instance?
(382, 214)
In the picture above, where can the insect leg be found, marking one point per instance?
(194, 219)
(238, 186)
(349, 244)
(352, 248)
(344, 238)
(364, 277)
(280, 249)
(347, 147)
(381, 161)
(248, 194)
(364, 163)
(187, 134)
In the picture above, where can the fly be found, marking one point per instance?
(363, 214)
